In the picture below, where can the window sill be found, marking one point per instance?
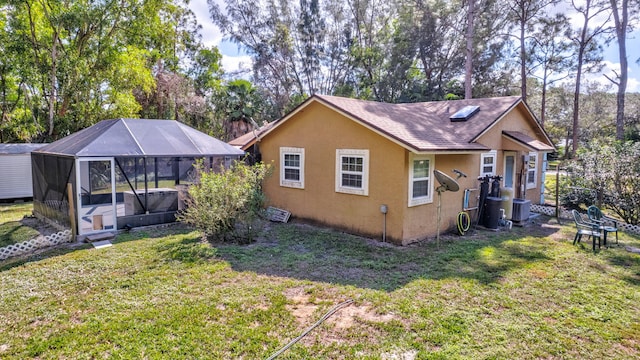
(421, 201)
(292, 184)
(351, 191)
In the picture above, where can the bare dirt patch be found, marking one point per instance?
(305, 310)
(301, 306)
(40, 226)
(353, 314)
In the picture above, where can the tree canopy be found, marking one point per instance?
(69, 64)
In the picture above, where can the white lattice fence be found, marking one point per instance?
(550, 211)
(629, 228)
(565, 214)
(34, 244)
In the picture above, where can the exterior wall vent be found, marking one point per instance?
(465, 113)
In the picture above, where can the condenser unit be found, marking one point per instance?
(520, 209)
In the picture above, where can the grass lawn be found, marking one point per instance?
(164, 294)
(11, 229)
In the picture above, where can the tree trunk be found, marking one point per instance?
(53, 94)
(523, 61)
(576, 106)
(543, 103)
(567, 153)
(622, 88)
(468, 64)
(621, 23)
(576, 96)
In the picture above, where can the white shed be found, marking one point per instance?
(15, 170)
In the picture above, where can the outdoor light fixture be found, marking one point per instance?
(384, 209)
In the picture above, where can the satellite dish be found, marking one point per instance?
(447, 183)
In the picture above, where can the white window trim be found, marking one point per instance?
(423, 199)
(364, 153)
(532, 185)
(290, 183)
(494, 155)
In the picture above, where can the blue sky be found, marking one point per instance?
(234, 59)
(633, 54)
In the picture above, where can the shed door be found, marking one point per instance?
(96, 195)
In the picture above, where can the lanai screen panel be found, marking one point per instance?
(51, 174)
(148, 153)
(171, 138)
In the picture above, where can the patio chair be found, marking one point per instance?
(606, 224)
(584, 227)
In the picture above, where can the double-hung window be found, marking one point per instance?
(420, 180)
(532, 170)
(488, 163)
(352, 171)
(292, 167)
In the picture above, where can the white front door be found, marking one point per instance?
(96, 200)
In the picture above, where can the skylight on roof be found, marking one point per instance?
(465, 113)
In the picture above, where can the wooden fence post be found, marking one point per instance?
(72, 212)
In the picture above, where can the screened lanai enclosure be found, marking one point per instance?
(122, 173)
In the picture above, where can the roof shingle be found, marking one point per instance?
(426, 126)
(528, 141)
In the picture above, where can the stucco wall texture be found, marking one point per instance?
(321, 130)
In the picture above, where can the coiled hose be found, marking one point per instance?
(464, 222)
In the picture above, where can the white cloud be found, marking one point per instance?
(236, 63)
(610, 69)
(211, 34)
(232, 58)
(633, 85)
(577, 19)
(611, 50)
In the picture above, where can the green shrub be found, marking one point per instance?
(609, 175)
(226, 204)
(576, 198)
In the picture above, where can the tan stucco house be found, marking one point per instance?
(338, 160)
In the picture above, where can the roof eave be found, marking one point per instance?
(479, 148)
(473, 149)
(497, 120)
(526, 145)
(539, 126)
(532, 118)
(450, 151)
(283, 119)
(343, 112)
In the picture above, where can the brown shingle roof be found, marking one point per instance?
(245, 141)
(421, 127)
(426, 126)
(528, 141)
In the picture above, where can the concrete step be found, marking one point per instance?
(101, 236)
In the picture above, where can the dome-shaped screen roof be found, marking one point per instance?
(139, 137)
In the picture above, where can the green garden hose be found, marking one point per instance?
(322, 319)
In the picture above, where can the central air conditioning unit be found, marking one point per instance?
(520, 210)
